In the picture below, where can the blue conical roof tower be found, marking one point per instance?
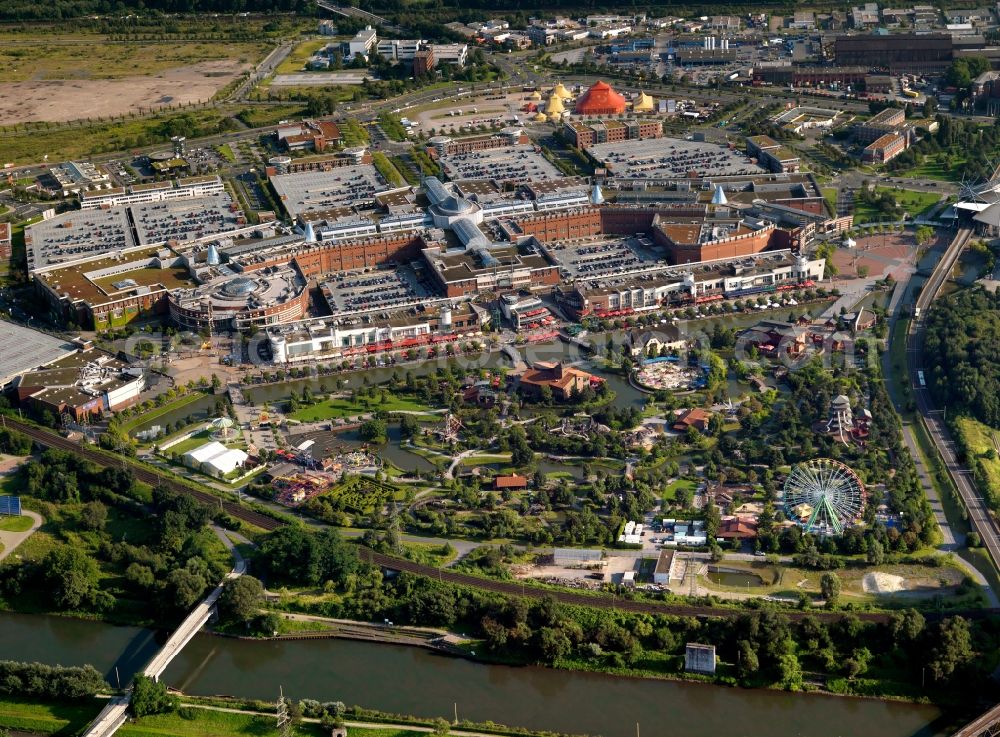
(213, 255)
(718, 196)
(596, 196)
(310, 234)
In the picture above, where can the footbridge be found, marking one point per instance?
(115, 714)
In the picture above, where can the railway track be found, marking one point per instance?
(51, 440)
(145, 475)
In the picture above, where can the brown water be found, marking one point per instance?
(416, 681)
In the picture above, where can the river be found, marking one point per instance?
(416, 681)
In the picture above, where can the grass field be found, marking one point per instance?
(670, 493)
(79, 141)
(15, 524)
(93, 57)
(23, 715)
(337, 408)
(257, 116)
(191, 722)
(932, 168)
(915, 203)
(978, 438)
(161, 411)
(296, 61)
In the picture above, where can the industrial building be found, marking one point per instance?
(898, 52)
(885, 148)
(82, 384)
(772, 155)
(886, 121)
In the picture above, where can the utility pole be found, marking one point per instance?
(284, 719)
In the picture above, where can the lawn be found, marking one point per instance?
(58, 57)
(296, 61)
(15, 524)
(226, 152)
(914, 203)
(341, 408)
(260, 116)
(979, 440)
(192, 722)
(160, 411)
(37, 717)
(830, 195)
(195, 441)
(932, 168)
(670, 493)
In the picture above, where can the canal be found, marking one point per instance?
(415, 681)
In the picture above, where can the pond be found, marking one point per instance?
(733, 577)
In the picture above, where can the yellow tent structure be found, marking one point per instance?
(535, 96)
(561, 92)
(541, 118)
(644, 103)
(555, 106)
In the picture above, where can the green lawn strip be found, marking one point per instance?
(195, 441)
(146, 417)
(25, 715)
(830, 195)
(193, 722)
(15, 524)
(915, 203)
(341, 408)
(226, 152)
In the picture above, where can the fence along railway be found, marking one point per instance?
(600, 601)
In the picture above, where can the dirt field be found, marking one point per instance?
(62, 100)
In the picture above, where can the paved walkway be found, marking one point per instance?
(10, 540)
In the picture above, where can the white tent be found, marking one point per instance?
(214, 458)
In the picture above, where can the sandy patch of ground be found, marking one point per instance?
(883, 583)
(882, 255)
(62, 100)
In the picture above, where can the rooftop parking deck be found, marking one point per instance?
(596, 257)
(344, 186)
(375, 290)
(671, 158)
(516, 164)
(185, 219)
(78, 234)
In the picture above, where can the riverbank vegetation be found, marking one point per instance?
(109, 547)
(762, 648)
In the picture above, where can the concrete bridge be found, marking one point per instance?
(115, 714)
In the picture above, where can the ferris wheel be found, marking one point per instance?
(824, 496)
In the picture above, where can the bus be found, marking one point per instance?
(920, 378)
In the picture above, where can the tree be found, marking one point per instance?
(748, 661)
(374, 430)
(408, 426)
(876, 553)
(150, 697)
(906, 626)
(441, 726)
(952, 648)
(553, 644)
(72, 576)
(185, 587)
(829, 585)
(241, 599)
(93, 516)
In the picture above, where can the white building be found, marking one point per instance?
(215, 459)
(362, 43)
(456, 54)
(153, 192)
(397, 49)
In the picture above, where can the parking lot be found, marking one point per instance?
(374, 290)
(185, 219)
(666, 158)
(315, 191)
(74, 235)
(598, 257)
(515, 164)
